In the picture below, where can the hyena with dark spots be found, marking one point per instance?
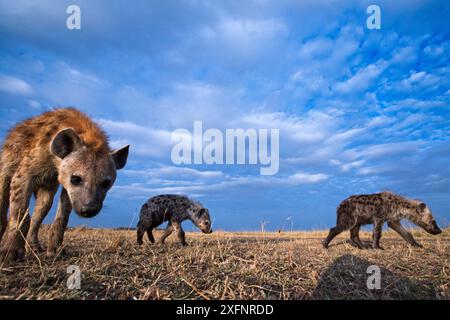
(59, 147)
(377, 209)
(174, 209)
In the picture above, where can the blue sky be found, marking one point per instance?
(359, 111)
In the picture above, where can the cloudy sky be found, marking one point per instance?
(358, 110)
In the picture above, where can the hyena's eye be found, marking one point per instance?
(75, 180)
(106, 184)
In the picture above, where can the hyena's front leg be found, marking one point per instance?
(167, 233)
(396, 226)
(150, 235)
(377, 230)
(335, 231)
(180, 233)
(44, 201)
(59, 224)
(354, 236)
(13, 247)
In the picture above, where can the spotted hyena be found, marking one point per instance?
(59, 147)
(175, 209)
(379, 208)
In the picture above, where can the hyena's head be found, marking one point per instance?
(423, 217)
(200, 217)
(87, 175)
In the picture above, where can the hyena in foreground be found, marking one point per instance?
(175, 209)
(377, 209)
(64, 147)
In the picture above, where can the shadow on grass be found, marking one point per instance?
(346, 278)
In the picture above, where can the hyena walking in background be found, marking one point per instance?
(175, 209)
(64, 147)
(377, 209)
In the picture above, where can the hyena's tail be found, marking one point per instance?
(4, 199)
(342, 215)
(142, 213)
(144, 209)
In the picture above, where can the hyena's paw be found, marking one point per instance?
(53, 252)
(416, 245)
(357, 245)
(12, 253)
(36, 247)
(377, 247)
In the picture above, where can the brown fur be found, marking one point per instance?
(39, 154)
(379, 208)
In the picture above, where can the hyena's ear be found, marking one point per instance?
(201, 212)
(65, 142)
(120, 157)
(422, 206)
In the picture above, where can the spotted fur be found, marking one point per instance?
(174, 209)
(377, 209)
(37, 156)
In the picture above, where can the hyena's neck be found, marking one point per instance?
(190, 216)
(406, 208)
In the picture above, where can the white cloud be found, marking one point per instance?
(203, 185)
(303, 178)
(345, 136)
(243, 36)
(317, 48)
(172, 172)
(352, 165)
(361, 80)
(313, 127)
(34, 104)
(144, 141)
(411, 103)
(404, 55)
(15, 85)
(417, 79)
(387, 149)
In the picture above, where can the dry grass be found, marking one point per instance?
(226, 265)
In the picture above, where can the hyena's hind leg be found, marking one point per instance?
(44, 201)
(342, 224)
(354, 236)
(141, 228)
(4, 201)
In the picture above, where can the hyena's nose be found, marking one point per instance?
(90, 210)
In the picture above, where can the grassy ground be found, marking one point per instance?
(226, 265)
